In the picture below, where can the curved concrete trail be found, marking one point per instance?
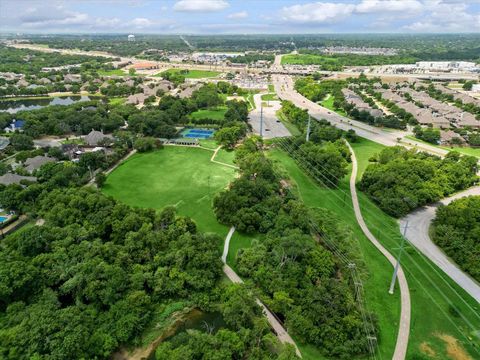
(418, 234)
(404, 328)
(282, 334)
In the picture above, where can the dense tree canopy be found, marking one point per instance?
(88, 279)
(402, 180)
(456, 229)
(298, 277)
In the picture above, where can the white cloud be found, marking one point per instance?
(442, 16)
(384, 6)
(319, 12)
(200, 5)
(141, 22)
(238, 15)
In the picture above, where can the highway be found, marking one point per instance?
(284, 87)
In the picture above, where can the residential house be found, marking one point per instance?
(94, 138)
(10, 178)
(16, 125)
(36, 162)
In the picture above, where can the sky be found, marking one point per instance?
(239, 16)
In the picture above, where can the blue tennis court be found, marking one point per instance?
(198, 133)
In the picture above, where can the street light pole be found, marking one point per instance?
(261, 119)
(397, 265)
(308, 128)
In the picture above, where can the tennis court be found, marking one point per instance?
(197, 133)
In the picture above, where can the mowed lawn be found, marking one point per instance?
(195, 74)
(217, 113)
(179, 176)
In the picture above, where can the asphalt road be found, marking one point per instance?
(272, 127)
(405, 311)
(417, 234)
(284, 87)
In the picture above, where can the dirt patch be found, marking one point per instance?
(427, 350)
(455, 350)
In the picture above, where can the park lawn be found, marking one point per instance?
(217, 113)
(225, 156)
(462, 150)
(432, 292)
(183, 177)
(208, 143)
(270, 97)
(195, 74)
(308, 59)
(328, 103)
(271, 88)
(116, 72)
(116, 101)
(385, 307)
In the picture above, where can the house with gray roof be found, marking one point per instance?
(32, 164)
(95, 137)
(10, 178)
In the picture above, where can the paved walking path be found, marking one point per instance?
(212, 159)
(418, 234)
(282, 334)
(405, 312)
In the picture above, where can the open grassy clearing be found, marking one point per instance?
(387, 308)
(116, 72)
(217, 113)
(116, 101)
(463, 150)
(328, 103)
(180, 176)
(270, 97)
(194, 74)
(225, 156)
(432, 292)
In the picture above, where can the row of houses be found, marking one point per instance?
(355, 99)
(433, 112)
(464, 98)
(455, 116)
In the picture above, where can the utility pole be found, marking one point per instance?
(397, 265)
(261, 119)
(308, 128)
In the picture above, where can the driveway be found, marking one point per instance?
(418, 234)
(272, 127)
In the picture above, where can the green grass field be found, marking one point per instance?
(463, 150)
(116, 101)
(307, 59)
(270, 97)
(376, 283)
(116, 72)
(217, 113)
(432, 292)
(328, 103)
(179, 176)
(194, 74)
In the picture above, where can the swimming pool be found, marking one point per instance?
(3, 219)
(197, 133)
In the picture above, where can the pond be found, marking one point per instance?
(13, 106)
